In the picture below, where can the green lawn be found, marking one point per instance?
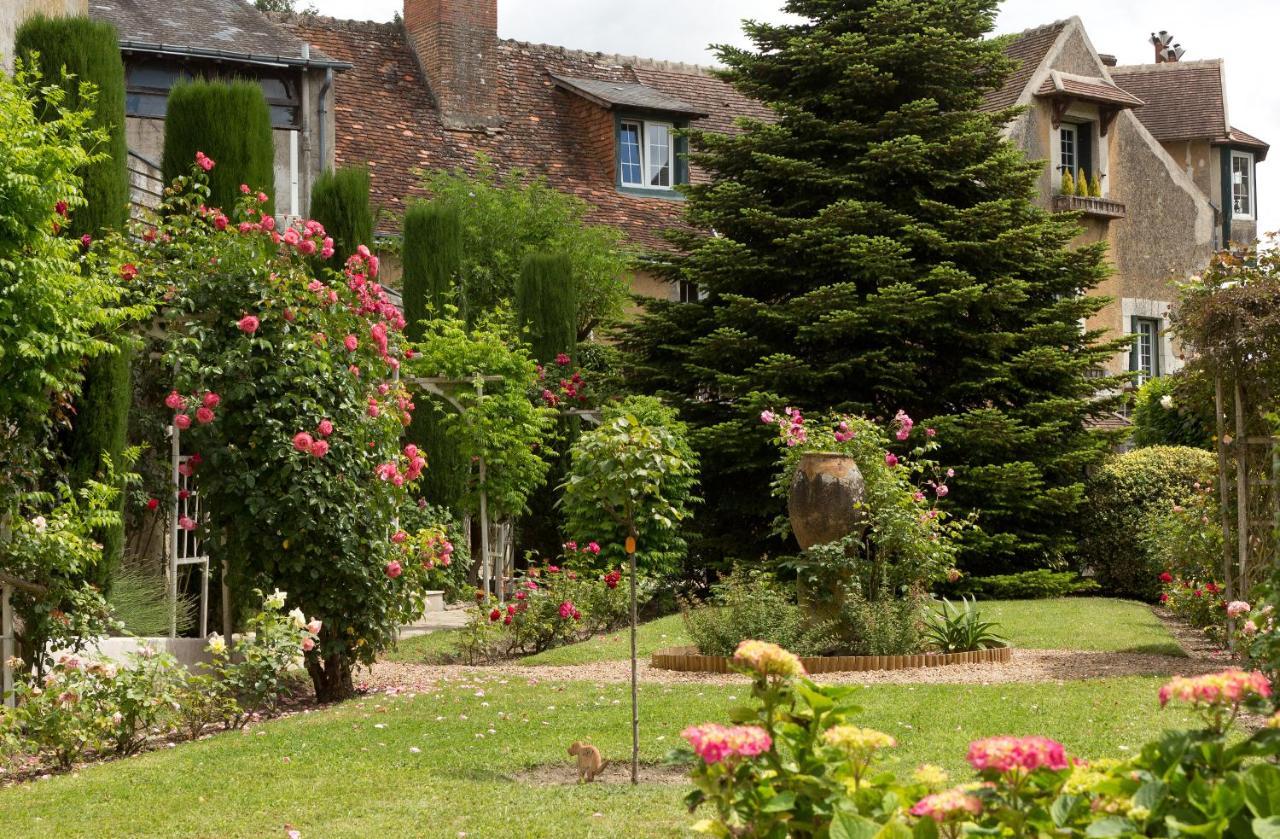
(350, 772)
(1076, 623)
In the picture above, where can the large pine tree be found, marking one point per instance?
(876, 248)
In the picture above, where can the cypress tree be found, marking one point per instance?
(231, 123)
(432, 255)
(877, 249)
(340, 201)
(546, 305)
(89, 52)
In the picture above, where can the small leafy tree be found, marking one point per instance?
(231, 124)
(635, 475)
(284, 387)
(340, 201)
(507, 217)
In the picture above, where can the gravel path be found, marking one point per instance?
(1026, 666)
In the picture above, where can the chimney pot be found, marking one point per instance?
(456, 42)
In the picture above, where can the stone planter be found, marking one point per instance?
(824, 492)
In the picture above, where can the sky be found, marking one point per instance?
(682, 30)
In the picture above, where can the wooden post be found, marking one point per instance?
(6, 645)
(1242, 492)
(635, 695)
(1224, 494)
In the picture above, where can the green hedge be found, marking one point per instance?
(1028, 585)
(340, 201)
(1173, 411)
(1120, 498)
(231, 123)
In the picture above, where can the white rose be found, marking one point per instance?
(1166, 402)
(40, 524)
(217, 646)
(299, 619)
(276, 599)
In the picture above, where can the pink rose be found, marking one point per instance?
(308, 645)
(351, 342)
(314, 627)
(399, 537)
(244, 189)
(203, 415)
(942, 490)
(187, 523)
(211, 400)
(319, 448)
(307, 247)
(393, 569)
(182, 421)
(248, 324)
(325, 428)
(205, 163)
(302, 441)
(593, 547)
(173, 401)
(890, 459)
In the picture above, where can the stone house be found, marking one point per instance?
(164, 42)
(1157, 140)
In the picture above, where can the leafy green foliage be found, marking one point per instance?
(546, 305)
(750, 604)
(509, 216)
(1026, 585)
(230, 123)
(960, 629)
(631, 476)
(876, 249)
(1121, 495)
(659, 549)
(340, 201)
(52, 314)
(1173, 411)
(285, 379)
(504, 425)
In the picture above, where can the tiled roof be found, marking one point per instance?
(1110, 421)
(1185, 99)
(1088, 88)
(1028, 49)
(612, 95)
(1243, 138)
(386, 118)
(217, 28)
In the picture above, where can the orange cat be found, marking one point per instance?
(590, 764)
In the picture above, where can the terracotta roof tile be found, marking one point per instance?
(387, 119)
(1185, 99)
(1090, 88)
(1028, 49)
(1243, 138)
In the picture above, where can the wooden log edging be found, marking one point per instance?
(688, 660)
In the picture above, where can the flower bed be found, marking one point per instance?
(688, 660)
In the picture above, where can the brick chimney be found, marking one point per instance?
(456, 42)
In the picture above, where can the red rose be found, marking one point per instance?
(1166, 577)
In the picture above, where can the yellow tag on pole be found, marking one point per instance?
(631, 544)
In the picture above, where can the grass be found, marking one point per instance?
(350, 772)
(1098, 624)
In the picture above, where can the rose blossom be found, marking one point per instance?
(203, 415)
(393, 569)
(173, 400)
(182, 421)
(325, 428)
(248, 324)
(302, 441)
(1236, 608)
(351, 342)
(204, 162)
(319, 448)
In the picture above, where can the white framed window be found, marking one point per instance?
(1242, 199)
(1068, 156)
(1146, 348)
(646, 154)
(689, 292)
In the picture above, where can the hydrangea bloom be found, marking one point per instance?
(1016, 754)
(767, 659)
(1230, 687)
(721, 743)
(857, 742)
(949, 805)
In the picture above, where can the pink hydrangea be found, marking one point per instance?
(948, 805)
(1016, 754)
(721, 743)
(1230, 687)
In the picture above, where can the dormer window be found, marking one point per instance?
(646, 154)
(1242, 206)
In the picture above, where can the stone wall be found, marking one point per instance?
(14, 12)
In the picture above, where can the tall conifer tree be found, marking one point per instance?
(876, 248)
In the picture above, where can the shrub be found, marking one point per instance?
(660, 548)
(1187, 540)
(144, 691)
(1039, 584)
(231, 124)
(887, 626)
(340, 201)
(753, 604)
(960, 629)
(435, 539)
(1171, 411)
(1120, 497)
(798, 765)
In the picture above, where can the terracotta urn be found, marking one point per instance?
(824, 492)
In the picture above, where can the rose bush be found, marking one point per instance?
(797, 766)
(285, 389)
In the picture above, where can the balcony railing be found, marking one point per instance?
(1103, 208)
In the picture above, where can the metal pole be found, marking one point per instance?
(6, 645)
(635, 695)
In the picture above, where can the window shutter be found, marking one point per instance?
(1084, 154)
(1133, 351)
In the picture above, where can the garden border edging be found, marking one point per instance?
(688, 660)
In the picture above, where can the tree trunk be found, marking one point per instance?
(331, 678)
